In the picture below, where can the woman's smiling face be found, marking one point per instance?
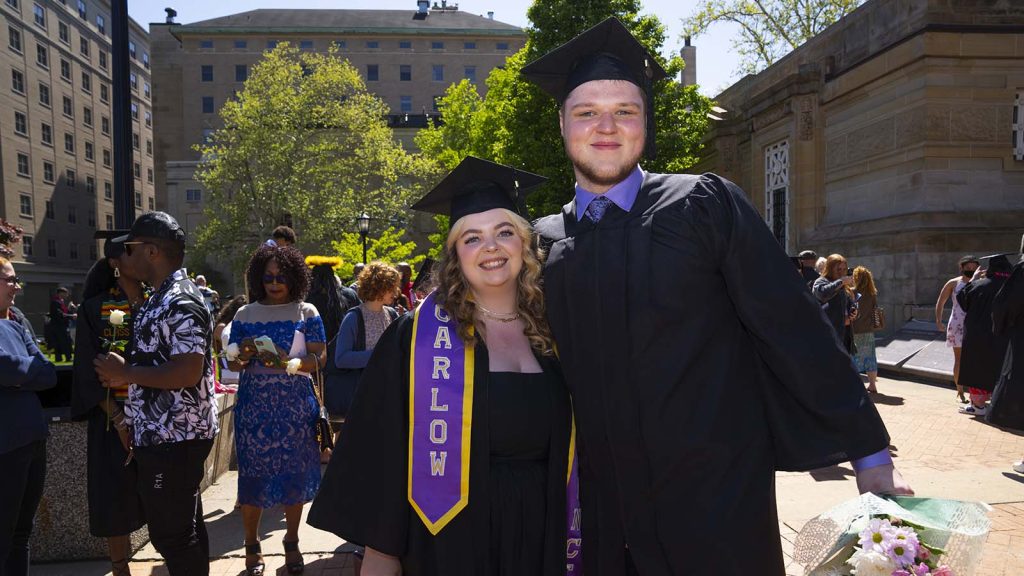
(490, 250)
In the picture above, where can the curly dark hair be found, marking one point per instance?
(292, 265)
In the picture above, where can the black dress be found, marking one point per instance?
(114, 506)
(699, 364)
(514, 524)
(1007, 408)
(983, 351)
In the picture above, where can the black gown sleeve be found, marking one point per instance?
(363, 496)
(817, 409)
(1008, 305)
(966, 295)
(86, 390)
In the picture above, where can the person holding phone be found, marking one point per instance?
(277, 341)
(834, 290)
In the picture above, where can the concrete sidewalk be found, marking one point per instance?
(940, 452)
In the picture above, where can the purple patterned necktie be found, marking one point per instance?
(597, 208)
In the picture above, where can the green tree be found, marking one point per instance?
(304, 140)
(517, 124)
(769, 29)
(388, 247)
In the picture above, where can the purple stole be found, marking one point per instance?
(441, 384)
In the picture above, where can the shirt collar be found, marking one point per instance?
(176, 276)
(622, 194)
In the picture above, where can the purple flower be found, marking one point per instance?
(901, 573)
(903, 547)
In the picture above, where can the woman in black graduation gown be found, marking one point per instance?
(1007, 408)
(114, 508)
(518, 416)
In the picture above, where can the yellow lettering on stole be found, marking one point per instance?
(443, 337)
(441, 365)
(437, 464)
(438, 431)
(433, 402)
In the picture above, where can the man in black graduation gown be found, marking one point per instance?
(699, 363)
(983, 349)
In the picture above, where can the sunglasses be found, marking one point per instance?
(270, 279)
(128, 246)
(12, 280)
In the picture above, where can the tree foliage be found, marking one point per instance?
(517, 124)
(304, 141)
(387, 247)
(769, 29)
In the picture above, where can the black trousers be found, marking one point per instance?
(169, 477)
(22, 474)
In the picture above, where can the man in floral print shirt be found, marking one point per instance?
(170, 401)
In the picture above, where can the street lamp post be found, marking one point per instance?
(363, 222)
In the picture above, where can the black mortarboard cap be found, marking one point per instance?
(608, 51)
(155, 225)
(477, 185)
(998, 262)
(111, 249)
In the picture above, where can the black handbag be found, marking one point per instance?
(324, 433)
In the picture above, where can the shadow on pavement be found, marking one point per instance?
(831, 474)
(1014, 476)
(879, 398)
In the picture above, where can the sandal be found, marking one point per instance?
(299, 565)
(120, 567)
(258, 568)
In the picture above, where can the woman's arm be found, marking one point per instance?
(344, 355)
(944, 295)
(29, 371)
(824, 290)
(380, 564)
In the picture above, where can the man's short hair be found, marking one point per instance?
(63, 289)
(807, 255)
(969, 259)
(284, 233)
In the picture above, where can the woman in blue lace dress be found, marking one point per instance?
(278, 455)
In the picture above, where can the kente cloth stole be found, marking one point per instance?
(440, 421)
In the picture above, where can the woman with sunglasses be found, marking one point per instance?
(277, 341)
(23, 429)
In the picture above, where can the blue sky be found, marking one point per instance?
(716, 62)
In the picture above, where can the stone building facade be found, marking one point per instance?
(56, 143)
(893, 137)
(407, 57)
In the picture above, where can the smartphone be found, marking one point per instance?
(265, 344)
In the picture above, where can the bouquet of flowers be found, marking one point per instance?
(897, 536)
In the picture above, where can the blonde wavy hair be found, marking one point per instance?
(863, 281)
(454, 295)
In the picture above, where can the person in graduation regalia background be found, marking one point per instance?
(692, 382)
(481, 482)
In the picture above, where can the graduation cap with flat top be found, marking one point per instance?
(478, 185)
(998, 262)
(110, 249)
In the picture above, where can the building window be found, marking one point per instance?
(71, 179)
(404, 45)
(206, 44)
(372, 44)
(14, 39)
(241, 44)
(305, 45)
(51, 248)
(135, 140)
(40, 15)
(470, 73)
(147, 90)
(69, 107)
(149, 147)
(405, 104)
(131, 49)
(17, 81)
(405, 73)
(49, 210)
(138, 199)
(105, 125)
(137, 169)
(149, 202)
(206, 73)
(109, 221)
(83, 46)
(44, 94)
(20, 123)
(86, 82)
(437, 72)
(469, 45)
(48, 172)
(69, 143)
(501, 46)
(1018, 126)
(12, 3)
(47, 134)
(87, 116)
(106, 158)
(241, 72)
(72, 215)
(42, 56)
(81, 10)
(133, 79)
(101, 25)
(63, 32)
(65, 69)
(149, 175)
(90, 152)
(26, 246)
(776, 177)
(145, 60)
(104, 93)
(193, 195)
(25, 204)
(207, 104)
(23, 169)
(90, 188)
(103, 59)
(108, 191)
(271, 44)
(135, 111)
(372, 72)
(73, 251)
(437, 45)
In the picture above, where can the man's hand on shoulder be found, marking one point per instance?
(885, 479)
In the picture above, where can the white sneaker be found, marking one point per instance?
(972, 410)
(1019, 467)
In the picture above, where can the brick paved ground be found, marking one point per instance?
(941, 453)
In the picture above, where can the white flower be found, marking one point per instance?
(232, 352)
(871, 563)
(293, 366)
(116, 317)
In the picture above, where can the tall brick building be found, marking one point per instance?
(56, 165)
(894, 137)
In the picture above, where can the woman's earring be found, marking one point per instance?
(117, 272)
